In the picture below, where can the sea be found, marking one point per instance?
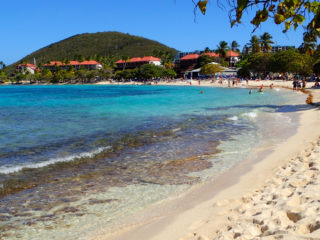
(78, 158)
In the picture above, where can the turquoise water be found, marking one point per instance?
(61, 143)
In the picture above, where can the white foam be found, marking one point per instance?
(277, 89)
(12, 169)
(233, 118)
(176, 129)
(250, 114)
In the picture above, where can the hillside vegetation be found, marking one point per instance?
(101, 43)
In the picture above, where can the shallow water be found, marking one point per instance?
(73, 158)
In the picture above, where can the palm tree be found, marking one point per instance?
(125, 59)
(222, 49)
(235, 46)
(254, 44)
(2, 65)
(265, 41)
(308, 48)
(207, 49)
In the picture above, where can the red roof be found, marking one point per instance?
(89, 63)
(53, 63)
(232, 54)
(190, 57)
(120, 61)
(74, 63)
(211, 54)
(135, 59)
(27, 65)
(139, 59)
(150, 58)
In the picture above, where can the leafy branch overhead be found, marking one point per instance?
(289, 13)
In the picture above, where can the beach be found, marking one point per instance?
(211, 166)
(273, 195)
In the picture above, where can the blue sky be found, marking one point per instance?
(30, 25)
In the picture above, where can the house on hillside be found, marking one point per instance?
(27, 67)
(89, 65)
(137, 62)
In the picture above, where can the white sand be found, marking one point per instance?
(274, 195)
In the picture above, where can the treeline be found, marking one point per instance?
(109, 71)
(145, 72)
(284, 62)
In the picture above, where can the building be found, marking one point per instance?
(233, 58)
(248, 49)
(189, 61)
(186, 63)
(89, 65)
(137, 62)
(27, 67)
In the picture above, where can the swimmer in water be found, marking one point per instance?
(250, 92)
(201, 91)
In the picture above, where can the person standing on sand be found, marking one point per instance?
(294, 84)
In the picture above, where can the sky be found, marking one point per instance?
(30, 25)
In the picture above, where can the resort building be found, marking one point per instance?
(186, 63)
(233, 58)
(89, 65)
(137, 62)
(27, 67)
(248, 49)
(189, 61)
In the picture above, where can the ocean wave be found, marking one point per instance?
(250, 114)
(12, 169)
(233, 118)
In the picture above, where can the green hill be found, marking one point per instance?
(101, 43)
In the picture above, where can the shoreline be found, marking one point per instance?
(205, 210)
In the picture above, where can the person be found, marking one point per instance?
(250, 92)
(294, 84)
(271, 86)
(261, 88)
(201, 91)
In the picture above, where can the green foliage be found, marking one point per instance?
(316, 67)
(165, 56)
(255, 44)
(265, 41)
(258, 62)
(169, 72)
(146, 71)
(291, 61)
(287, 13)
(210, 69)
(222, 49)
(3, 76)
(243, 72)
(149, 71)
(203, 60)
(235, 46)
